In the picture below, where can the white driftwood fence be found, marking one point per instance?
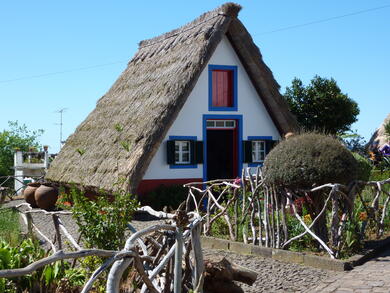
(167, 257)
(256, 213)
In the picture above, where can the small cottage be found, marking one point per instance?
(194, 104)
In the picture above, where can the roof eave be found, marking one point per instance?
(261, 77)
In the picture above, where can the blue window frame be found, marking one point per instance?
(259, 149)
(239, 120)
(233, 69)
(183, 161)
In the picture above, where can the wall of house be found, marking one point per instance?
(256, 120)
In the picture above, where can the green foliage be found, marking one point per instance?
(126, 145)
(321, 105)
(354, 232)
(9, 226)
(102, 221)
(378, 175)
(118, 127)
(220, 229)
(18, 136)
(384, 164)
(295, 228)
(354, 142)
(13, 257)
(80, 151)
(309, 159)
(165, 196)
(46, 279)
(363, 167)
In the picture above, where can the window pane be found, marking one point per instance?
(177, 157)
(186, 157)
(254, 159)
(254, 145)
(220, 124)
(185, 146)
(229, 123)
(262, 156)
(210, 123)
(222, 88)
(262, 145)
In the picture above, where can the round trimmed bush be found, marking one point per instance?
(308, 160)
(364, 167)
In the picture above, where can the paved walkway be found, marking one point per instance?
(373, 276)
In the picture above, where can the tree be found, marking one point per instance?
(321, 105)
(18, 136)
(354, 142)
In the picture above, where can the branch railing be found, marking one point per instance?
(168, 257)
(256, 213)
(165, 256)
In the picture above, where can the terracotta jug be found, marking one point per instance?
(46, 196)
(29, 193)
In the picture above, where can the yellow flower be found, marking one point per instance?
(307, 218)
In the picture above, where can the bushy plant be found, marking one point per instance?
(363, 167)
(308, 160)
(102, 221)
(13, 257)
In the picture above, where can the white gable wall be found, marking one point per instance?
(256, 120)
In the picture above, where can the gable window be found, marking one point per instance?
(222, 88)
(184, 152)
(256, 149)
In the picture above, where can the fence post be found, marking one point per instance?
(178, 260)
(29, 225)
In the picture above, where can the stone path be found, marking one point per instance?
(373, 276)
(275, 276)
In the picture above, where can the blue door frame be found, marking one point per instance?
(239, 119)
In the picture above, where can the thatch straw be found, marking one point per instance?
(122, 134)
(380, 137)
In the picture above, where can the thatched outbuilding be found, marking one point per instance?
(379, 137)
(187, 97)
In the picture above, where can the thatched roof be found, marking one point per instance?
(121, 135)
(380, 137)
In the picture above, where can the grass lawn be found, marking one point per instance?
(9, 226)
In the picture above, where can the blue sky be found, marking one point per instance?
(66, 54)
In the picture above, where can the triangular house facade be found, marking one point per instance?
(194, 104)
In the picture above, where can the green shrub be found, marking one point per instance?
(309, 159)
(165, 196)
(378, 175)
(9, 226)
(19, 256)
(102, 221)
(363, 167)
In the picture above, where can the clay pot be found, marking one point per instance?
(46, 196)
(29, 193)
